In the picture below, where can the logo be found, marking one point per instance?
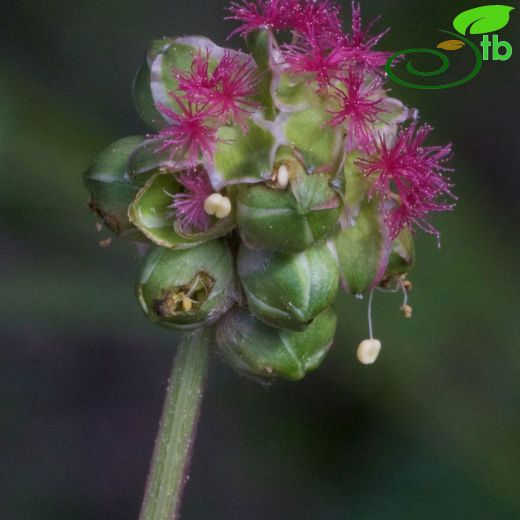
(483, 21)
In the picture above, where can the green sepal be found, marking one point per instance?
(289, 290)
(320, 144)
(148, 158)
(165, 275)
(357, 185)
(242, 156)
(150, 213)
(288, 220)
(402, 256)
(258, 350)
(111, 188)
(363, 249)
(142, 87)
(294, 93)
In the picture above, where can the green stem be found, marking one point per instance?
(171, 458)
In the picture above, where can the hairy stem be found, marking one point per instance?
(171, 458)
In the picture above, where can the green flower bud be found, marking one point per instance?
(289, 290)
(189, 288)
(111, 189)
(363, 249)
(402, 256)
(290, 212)
(255, 349)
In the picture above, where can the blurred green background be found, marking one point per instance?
(432, 431)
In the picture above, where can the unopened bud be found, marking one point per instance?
(291, 219)
(189, 288)
(289, 290)
(368, 351)
(111, 189)
(256, 349)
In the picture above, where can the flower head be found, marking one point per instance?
(411, 176)
(188, 206)
(359, 107)
(227, 91)
(190, 134)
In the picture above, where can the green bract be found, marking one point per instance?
(363, 249)
(187, 289)
(242, 157)
(111, 188)
(259, 350)
(148, 158)
(289, 290)
(142, 88)
(320, 145)
(290, 219)
(152, 214)
(293, 93)
(260, 44)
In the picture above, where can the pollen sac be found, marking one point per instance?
(253, 348)
(187, 289)
(182, 224)
(290, 219)
(363, 249)
(289, 290)
(111, 187)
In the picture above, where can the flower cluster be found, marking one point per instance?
(205, 100)
(271, 179)
(346, 67)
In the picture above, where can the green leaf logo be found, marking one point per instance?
(483, 20)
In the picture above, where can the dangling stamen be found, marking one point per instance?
(370, 328)
(369, 349)
(405, 308)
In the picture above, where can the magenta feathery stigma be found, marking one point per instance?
(416, 173)
(188, 206)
